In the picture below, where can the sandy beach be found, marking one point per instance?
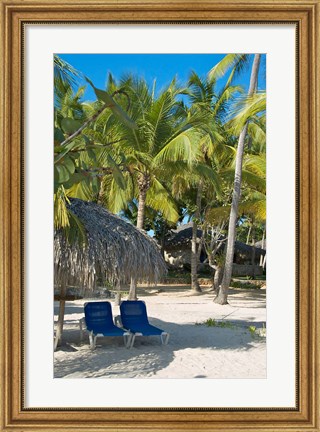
(232, 347)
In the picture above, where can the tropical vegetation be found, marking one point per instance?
(159, 157)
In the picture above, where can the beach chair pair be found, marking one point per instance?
(133, 320)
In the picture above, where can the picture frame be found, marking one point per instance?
(305, 416)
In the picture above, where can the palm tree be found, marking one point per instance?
(253, 207)
(223, 292)
(77, 170)
(192, 186)
(163, 132)
(65, 76)
(211, 106)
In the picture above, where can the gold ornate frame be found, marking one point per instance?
(305, 417)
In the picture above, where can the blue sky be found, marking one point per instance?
(163, 67)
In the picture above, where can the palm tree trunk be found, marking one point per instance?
(194, 253)
(144, 185)
(141, 208)
(218, 278)
(222, 297)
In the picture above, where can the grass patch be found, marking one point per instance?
(211, 322)
(256, 278)
(253, 330)
(246, 285)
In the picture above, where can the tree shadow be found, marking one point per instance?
(112, 360)
(256, 298)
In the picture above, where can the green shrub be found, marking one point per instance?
(252, 330)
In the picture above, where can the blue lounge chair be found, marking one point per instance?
(135, 319)
(99, 322)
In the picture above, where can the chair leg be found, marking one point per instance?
(82, 326)
(92, 340)
(132, 339)
(164, 338)
(127, 339)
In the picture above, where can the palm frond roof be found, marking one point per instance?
(181, 237)
(115, 251)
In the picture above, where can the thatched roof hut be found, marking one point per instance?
(178, 244)
(181, 236)
(115, 251)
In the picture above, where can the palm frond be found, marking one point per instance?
(230, 61)
(114, 198)
(160, 200)
(255, 206)
(82, 190)
(65, 75)
(229, 93)
(254, 181)
(207, 173)
(183, 147)
(255, 164)
(245, 109)
(66, 220)
(217, 215)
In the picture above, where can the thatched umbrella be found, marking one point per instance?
(115, 251)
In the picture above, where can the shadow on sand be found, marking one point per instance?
(112, 360)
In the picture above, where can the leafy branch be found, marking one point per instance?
(110, 104)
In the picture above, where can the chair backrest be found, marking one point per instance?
(133, 312)
(98, 314)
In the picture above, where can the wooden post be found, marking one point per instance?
(62, 303)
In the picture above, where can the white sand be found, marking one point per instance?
(194, 351)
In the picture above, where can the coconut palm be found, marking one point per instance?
(158, 130)
(243, 122)
(77, 171)
(65, 76)
(212, 144)
(163, 133)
